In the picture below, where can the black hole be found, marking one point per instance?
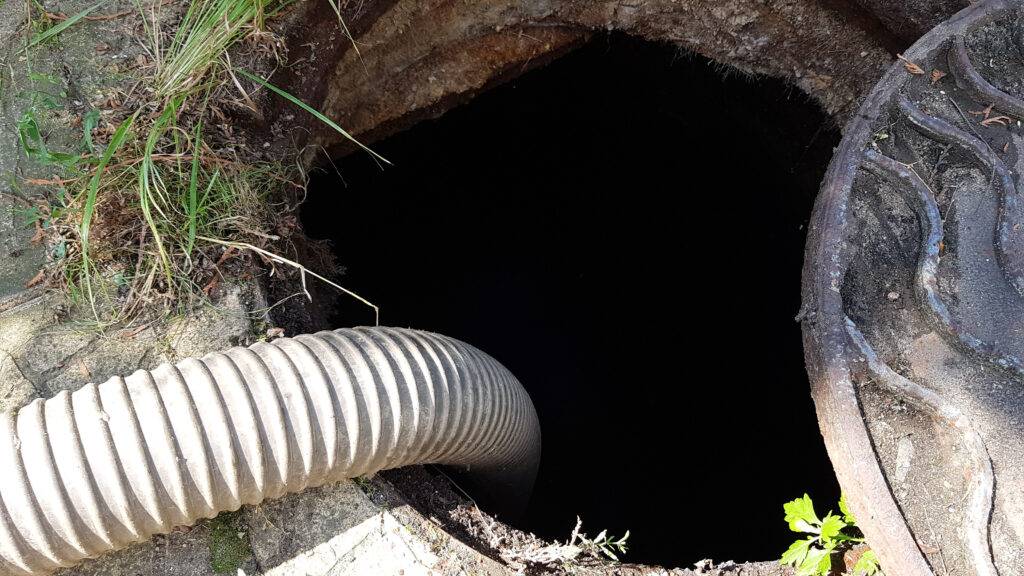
(624, 230)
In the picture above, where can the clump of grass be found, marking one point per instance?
(208, 29)
(159, 214)
(89, 207)
(140, 247)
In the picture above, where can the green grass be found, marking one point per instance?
(193, 192)
(152, 186)
(52, 31)
(146, 221)
(208, 29)
(316, 114)
(92, 193)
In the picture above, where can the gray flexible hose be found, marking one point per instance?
(92, 471)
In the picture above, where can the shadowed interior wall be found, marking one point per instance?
(624, 230)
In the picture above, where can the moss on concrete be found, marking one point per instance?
(229, 545)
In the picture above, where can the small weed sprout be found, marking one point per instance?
(813, 555)
(578, 550)
(602, 545)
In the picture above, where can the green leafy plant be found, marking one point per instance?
(45, 95)
(813, 555)
(867, 564)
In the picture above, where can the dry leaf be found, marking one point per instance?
(226, 255)
(46, 182)
(83, 369)
(39, 236)
(211, 285)
(36, 280)
(910, 66)
(1001, 120)
(983, 113)
(937, 75)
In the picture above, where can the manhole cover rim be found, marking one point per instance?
(827, 353)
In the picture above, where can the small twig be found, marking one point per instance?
(135, 331)
(50, 182)
(60, 16)
(36, 280)
(302, 271)
(18, 196)
(169, 158)
(227, 254)
(1001, 120)
(8, 303)
(234, 79)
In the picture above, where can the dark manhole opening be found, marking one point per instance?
(623, 229)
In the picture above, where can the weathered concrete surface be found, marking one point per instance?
(43, 353)
(19, 260)
(335, 530)
(60, 80)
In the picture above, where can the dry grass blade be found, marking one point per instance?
(58, 28)
(911, 66)
(302, 271)
(209, 28)
(344, 27)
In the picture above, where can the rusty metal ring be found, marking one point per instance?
(913, 296)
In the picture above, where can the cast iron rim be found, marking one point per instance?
(832, 350)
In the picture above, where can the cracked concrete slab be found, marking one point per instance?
(335, 530)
